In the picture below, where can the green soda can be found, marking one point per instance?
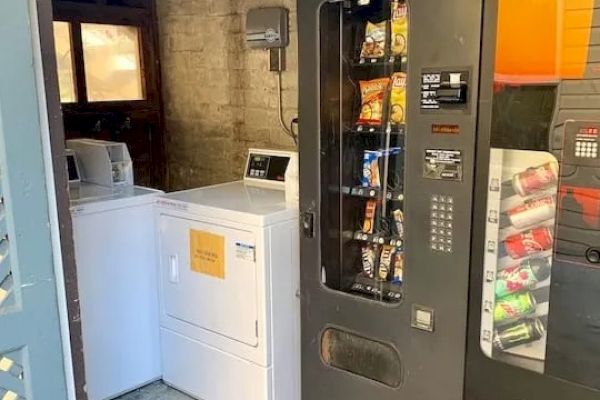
(523, 276)
(524, 332)
(513, 308)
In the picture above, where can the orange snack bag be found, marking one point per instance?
(372, 96)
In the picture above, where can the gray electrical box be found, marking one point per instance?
(267, 28)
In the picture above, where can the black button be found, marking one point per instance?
(593, 255)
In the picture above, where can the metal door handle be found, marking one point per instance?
(173, 269)
(307, 220)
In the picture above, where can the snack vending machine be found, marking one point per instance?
(450, 199)
(534, 325)
(388, 119)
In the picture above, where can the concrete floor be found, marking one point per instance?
(155, 391)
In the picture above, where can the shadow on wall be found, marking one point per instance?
(219, 97)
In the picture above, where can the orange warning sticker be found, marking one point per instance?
(207, 253)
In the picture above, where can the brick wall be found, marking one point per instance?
(220, 98)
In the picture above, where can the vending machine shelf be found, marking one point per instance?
(379, 238)
(377, 130)
(373, 193)
(390, 62)
(373, 288)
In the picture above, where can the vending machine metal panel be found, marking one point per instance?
(534, 324)
(388, 113)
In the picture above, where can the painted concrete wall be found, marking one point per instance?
(219, 97)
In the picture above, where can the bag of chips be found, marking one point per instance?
(399, 28)
(398, 268)
(369, 222)
(372, 95)
(385, 262)
(371, 177)
(398, 99)
(374, 44)
(369, 258)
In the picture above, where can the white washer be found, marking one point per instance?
(114, 236)
(229, 286)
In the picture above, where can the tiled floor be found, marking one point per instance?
(155, 391)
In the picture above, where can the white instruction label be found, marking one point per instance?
(245, 251)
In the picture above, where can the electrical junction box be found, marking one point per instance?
(267, 28)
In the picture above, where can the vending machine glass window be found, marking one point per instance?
(541, 282)
(362, 141)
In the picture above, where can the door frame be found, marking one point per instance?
(52, 130)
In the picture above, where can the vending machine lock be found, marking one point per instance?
(593, 255)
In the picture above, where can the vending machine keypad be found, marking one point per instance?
(442, 223)
(586, 149)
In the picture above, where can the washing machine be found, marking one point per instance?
(114, 239)
(229, 284)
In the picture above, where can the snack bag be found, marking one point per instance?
(398, 99)
(374, 44)
(368, 257)
(369, 222)
(398, 268)
(385, 262)
(399, 222)
(371, 177)
(399, 28)
(372, 96)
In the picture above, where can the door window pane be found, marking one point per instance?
(64, 61)
(112, 62)
(362, 137)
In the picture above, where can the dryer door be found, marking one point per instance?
(209, 277)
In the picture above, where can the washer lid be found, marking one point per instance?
(235, 201)
(89, 198)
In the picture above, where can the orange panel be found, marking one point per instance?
(542, 40)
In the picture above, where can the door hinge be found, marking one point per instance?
(256, 327)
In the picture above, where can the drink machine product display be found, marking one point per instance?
(450, 199)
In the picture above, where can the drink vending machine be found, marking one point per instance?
(450, 199)
(534, 323)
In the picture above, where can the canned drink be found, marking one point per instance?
(535, 179)
(513, 308)
(532, 212)
(516, 335)
(528, 242)
(523, 276)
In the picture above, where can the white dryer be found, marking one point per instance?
(229, 286)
